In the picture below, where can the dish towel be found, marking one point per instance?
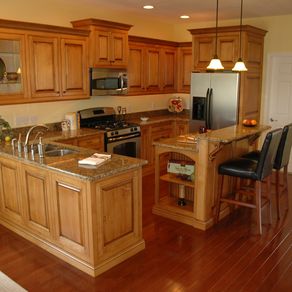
(95, 159)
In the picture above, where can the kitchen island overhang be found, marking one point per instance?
(90, 217)
(206, 151)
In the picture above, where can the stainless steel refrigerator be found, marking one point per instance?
(214, 100)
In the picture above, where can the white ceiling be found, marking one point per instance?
(198, 10)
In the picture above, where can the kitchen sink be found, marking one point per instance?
(59, 152)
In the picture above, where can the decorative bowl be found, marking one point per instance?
(144, 119)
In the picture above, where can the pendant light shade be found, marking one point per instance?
(215, 63)
(239, 65)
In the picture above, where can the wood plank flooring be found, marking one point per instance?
(228, 257)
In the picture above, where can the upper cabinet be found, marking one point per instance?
(228, 52)
(13, 82)
(42, 63)
(184, 62)
(58, 66)
(108, 42)
(152, 66)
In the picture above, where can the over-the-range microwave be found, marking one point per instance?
(104, 81)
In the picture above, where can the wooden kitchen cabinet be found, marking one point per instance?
(70, 213)
(152, 66)
(12, 54)
(95, 141)
(51, 61)
(108, 42)
(35, 189)
(58, 67)
(11, 203)
(181, 127)
(228, 52)
(184, 61)
(149, 134)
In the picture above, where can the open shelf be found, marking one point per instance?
(174, 179)
(170, 203)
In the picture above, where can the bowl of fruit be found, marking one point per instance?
(249, 122)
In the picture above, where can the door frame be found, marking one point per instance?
(268, 82)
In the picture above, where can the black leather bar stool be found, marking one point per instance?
(244, 168)
(281, 161)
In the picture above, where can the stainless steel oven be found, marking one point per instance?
(128, 146)
(120, 136)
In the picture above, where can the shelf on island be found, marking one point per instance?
(174, 179)
(171, 203)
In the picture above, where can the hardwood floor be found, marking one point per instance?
(228, 257)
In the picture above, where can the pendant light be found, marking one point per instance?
(215, 63)
(239, 65)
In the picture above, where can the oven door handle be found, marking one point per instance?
(113, 139)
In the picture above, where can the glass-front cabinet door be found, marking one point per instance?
(12, 68)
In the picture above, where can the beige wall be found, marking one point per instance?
(54, 12)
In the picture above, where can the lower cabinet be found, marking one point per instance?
(11, 202)
(69, 210)
(37, 210)
(95, 141)
(154, 132)
(92, 225)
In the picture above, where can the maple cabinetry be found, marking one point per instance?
(108, 42)
(152, 66)
(58, 66)
(95, 141)
(149, 134)
(228, 52)
(184, 67)
(51, 61)
(12, 54)
(11, 201)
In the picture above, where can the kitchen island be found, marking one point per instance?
(88, 216)
(199, 190)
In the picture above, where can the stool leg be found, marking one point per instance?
(258, 206)
(268, 194)
(278, 193)
(286, 183)
(220, 191)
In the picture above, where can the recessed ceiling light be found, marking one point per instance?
(184, 16)
(148, 6)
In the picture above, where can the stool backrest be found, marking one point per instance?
(284, 149)
(268, 154)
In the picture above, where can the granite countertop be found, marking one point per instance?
(159, 118)
(68, 164)
(225, 135)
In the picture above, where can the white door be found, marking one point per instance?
(279, 92)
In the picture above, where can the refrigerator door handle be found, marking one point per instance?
(208, 108)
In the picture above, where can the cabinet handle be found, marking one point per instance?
(64, 91)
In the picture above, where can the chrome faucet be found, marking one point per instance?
(28, 134)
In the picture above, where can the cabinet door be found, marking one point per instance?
(69, 206)
(118, 214)
(228, 49)
(74, 67)
(119, 49)
(203, 51)
(11, 205)
(36, 192)
(44, 66)
(181, 127)
(111, 48)
(184, 69)
(136, 68)
(160, 131)
(12, 54)
(169, 69)
(152, 70)
(95, 142)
